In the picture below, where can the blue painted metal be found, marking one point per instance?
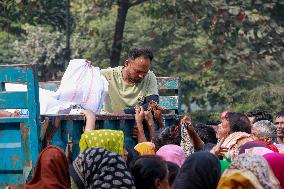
(18, 136)
(169, 102)
(12, 100)
(168, 83)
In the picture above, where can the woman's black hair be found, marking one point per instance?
(146, 169)
(132, 154)
(167, 135)
(206, 133)
(173, 172)
(238, 122)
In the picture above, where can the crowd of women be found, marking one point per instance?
(240, 151)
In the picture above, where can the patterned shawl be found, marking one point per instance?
(99, 168)
(234, 141)
(249, 168)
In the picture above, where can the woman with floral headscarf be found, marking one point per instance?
(100, 168)
(248, 171)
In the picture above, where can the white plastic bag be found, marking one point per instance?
(83, 84)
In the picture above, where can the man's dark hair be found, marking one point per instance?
(238, 122)
(260, 115)
(144, 52)
(206, 133)
(280, 114)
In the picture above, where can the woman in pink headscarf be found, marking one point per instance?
(276, 162)
(172, 153)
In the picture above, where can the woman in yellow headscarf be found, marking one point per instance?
(145, 148)
(111, 140)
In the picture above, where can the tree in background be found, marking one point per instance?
(44, 47)
(229, 54)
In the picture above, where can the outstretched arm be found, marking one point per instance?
(90, 120)
(139, 116)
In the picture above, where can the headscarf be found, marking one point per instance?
(99, 168)
(51, 170)
(172, 153)
(248, 145)
(201, 170)
(276, 162)
(248, 171)
(270, 146)
(111, 140)
(145, 148)
(257, 143)
(234, 141)
(258, 151)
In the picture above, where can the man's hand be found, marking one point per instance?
(149, 117)
(157, 113)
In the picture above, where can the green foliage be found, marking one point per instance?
(44, 47)
(6, 48)
(229, 54)
(13, 13)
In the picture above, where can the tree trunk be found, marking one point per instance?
(118, 35)
(68, 34)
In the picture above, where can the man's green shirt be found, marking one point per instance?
(122, 95)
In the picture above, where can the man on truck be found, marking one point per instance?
(131, 84)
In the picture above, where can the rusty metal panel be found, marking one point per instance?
(169, 102)
(168, 83)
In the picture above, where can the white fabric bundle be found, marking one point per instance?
(82, 84)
